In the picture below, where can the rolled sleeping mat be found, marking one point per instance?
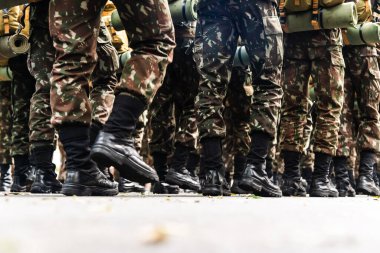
(184, 11)
(116, 21)
(5, 74)
(10, 3)
(181, 11)
(340, 16)
(241, 58)
(13, 45)
(123, 58)
(366, 33)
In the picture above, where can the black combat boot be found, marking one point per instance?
(366, 185)
(342, 178)
(5, 177)
(321, 185)
(128, 186)
(83, 176)
(95, 129)
(46, 179)
(21, 174)
(160, 164)
(212, 168)
(292, 185)
(255, 178)
(192, 165)
(240, 161)
(115, 145)
(178, 174)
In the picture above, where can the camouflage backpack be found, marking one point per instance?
(364, 8)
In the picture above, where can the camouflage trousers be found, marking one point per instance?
(362, 84)
(236, 116)
(74, 28)
(326, 67)
(237, 112)
(220, 23)
(41, 60)
(172, 109)
(5, 122)
(23, 87)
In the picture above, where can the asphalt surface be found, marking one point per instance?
(187, 223)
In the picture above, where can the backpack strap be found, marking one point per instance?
(315, 15)
(283, 16)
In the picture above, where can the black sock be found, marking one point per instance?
(239, 165)
(43, 155)
(21, 163)
(160, 164)
(322, 163)
(261, 142)
(76, 143)
(180, 156)
(125, 113)
(211, 156)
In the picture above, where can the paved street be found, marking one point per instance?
(187, 223)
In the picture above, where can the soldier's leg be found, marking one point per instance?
(5, 136)
(41, 135)
(23, 86)
(295, 110)
(261, 32)
(238, 102)
(366, 80)
(74, 28)
(104, 82)
(183, 79)
(215, 43)
(150, 29)
(328, 74)
(345, 138)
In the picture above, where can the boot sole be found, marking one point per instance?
(321, 194)
(18, 189)
(83, 190)
(267, 192)
(40, 188)
(127, 168)
(250, 186)
(364, 191)
(174, 178)
(212, 191)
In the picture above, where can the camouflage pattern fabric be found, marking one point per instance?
(5, 123)
(74, 29)
(237, 112)
(23, 87)
(362, 83)
(41, 60)
(220, 23)
(317, 54)
(177, 93)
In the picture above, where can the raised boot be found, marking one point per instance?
(292, 184)
(239, 167)
(115, 145)
(46, 179)
(212, 168)
(83, 176)
(342, 178)
(5, 177)
(321, 185)
(161, 166)
(366, 184)
(178, 174)
(255, 178)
